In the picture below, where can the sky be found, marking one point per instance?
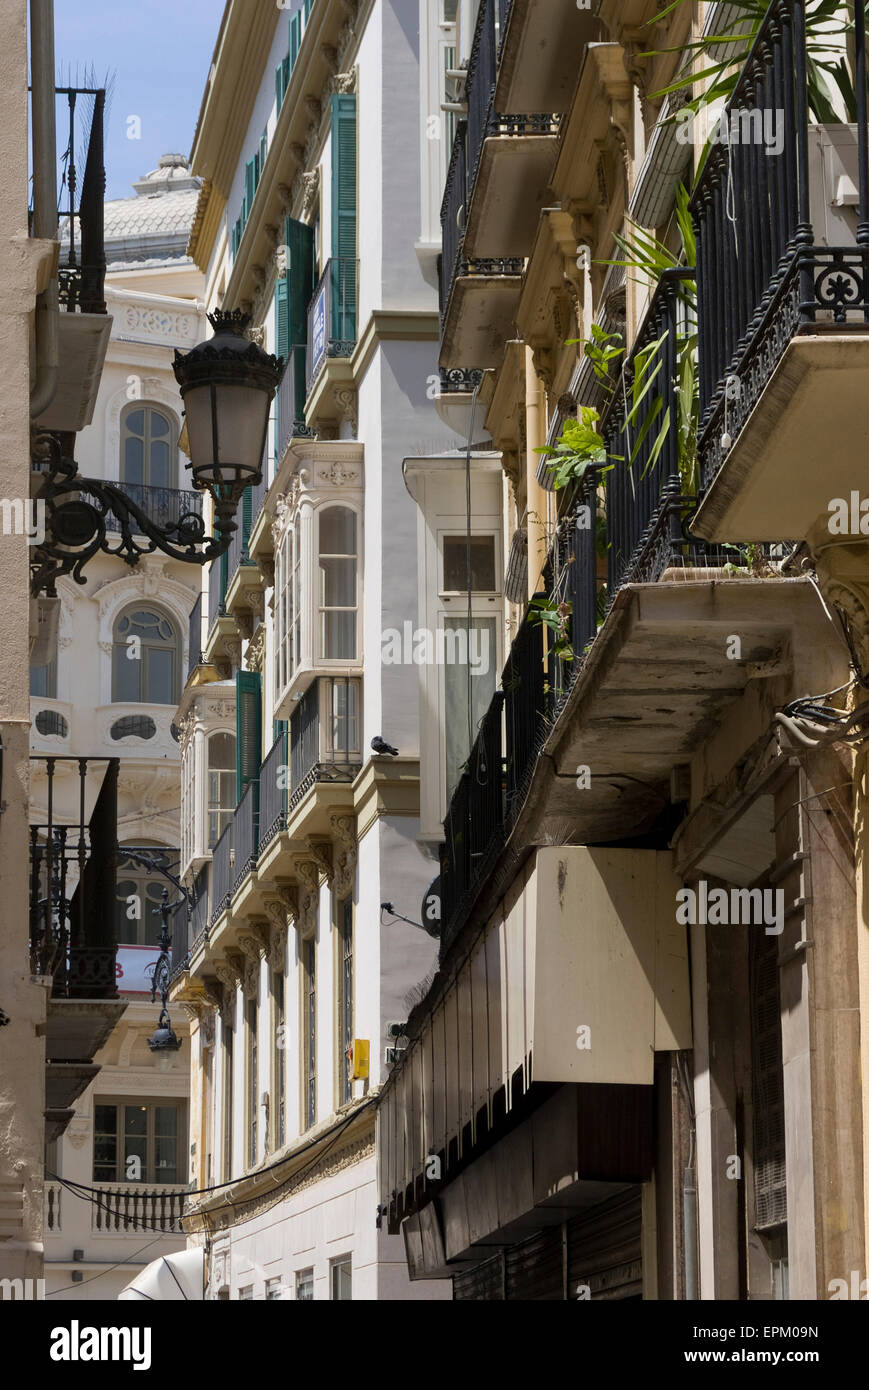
(159, 52)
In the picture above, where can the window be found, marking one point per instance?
(145, 658)
(288, 611)
(274, 1290)
(227, 1103)
(309, 1015)
(337, 584)
(139, 893)
(43, 680)
(477, 649)
(149, 448)
(246, 1294)
(482, 564)
(252, 1079)
(345, 999)
(305, 1285)
(342, 1279)
(221, 785)
(279, 1080)
(140, 1141)
(342, 697)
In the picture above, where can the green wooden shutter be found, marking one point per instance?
(263, 151)
(250, 180)
(282, 349)
(300, 275)
(309, 5)
(279, 86)
(248, 728)
(343, 286)
(295, 37)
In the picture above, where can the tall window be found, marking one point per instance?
(342, 1279)
(227, 1103)
(279, 1079)
(139, 893)
(288, 612)
(470, 662)
(252, 1075)
(43, 680)
(139, 1141)
(221, 785)
(309, 1015)
(149, 448)
(145, 658)
(337, 584)
(345, 999)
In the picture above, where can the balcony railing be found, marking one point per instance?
(73, 891)
(475, 821)
(122, 1209)
(217, 584)
(179, 926)
(221, 873)
(82, 270)
(164, 505)
(273, 791)
(762, 276)
(332, 315)
(290, 404)
(322, 751)
(245, 834)
(454, 209)
(237, 554)
(195, 637)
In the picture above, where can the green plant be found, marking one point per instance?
(554, 615)
(827, 70)
(601, 349)
(579, 447)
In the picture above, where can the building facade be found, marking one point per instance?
(639, 1072)
(300, 743)
(117, 1170)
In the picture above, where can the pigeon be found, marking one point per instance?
(381, 746)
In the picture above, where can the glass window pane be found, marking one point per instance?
(337, 531)
(159, 676)
(337, 583)
(221, 751)
(159, 475)
(127, 673)
(338, 636)
(135, 1120)
(135, 422)
(159, 425)
(482, 564)
(484, 651)
(305, 1286)
(166, 1120)
(134, 461)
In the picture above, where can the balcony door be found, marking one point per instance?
(149, 447)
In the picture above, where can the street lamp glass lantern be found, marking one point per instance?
(227, 385)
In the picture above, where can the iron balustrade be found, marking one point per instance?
(474, 825)
(644, 471)
(237, 554)
(259, 491)
(165, 506)
(221, 873)
(480, 84)
(290, 402)
(199, 915)
(761, 278)
(453, 210)
(73, 885)
(273, 791)
(332, 315)
(180, 926)
(195, 637)
(246, 824)
(82, 269)
(217, 584)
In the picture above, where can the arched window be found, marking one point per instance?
(149, 447)
(146, 658)
(139, 893)
(337, 584)
(221, 785)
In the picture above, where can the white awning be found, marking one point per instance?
(171, 1279)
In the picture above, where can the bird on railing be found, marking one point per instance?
(381, 746)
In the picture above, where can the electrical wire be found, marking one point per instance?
(71, 1288)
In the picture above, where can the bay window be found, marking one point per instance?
(337, 584)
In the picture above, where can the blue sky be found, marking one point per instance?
(160, 52)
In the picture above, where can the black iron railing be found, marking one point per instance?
(246, 824)
(217, 585)
(273, 784)
(290, 401)
(138, 1209)
(221, 873)
(82, 270)
(73, 882)
(259, 491)
(195, 637)
(761, 276)
(199, 914)
(474, 824)
(180, 927)
(164, 505)
(332, 315)
(237, 553)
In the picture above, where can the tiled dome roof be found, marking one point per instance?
(153, 228)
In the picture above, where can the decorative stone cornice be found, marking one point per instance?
(842, 567)
(321, 853)
(256, 649)
(310, 190)
(344, 854)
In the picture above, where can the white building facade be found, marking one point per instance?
(303, 841)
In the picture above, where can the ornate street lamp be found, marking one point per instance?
(165, 1041)
(227, 385)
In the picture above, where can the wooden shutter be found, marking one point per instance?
(300, 278)
(250, 173)
(295, 37)
(343, 269)
(282, 349)
(263, 151)
(248, 728)
(309, 5)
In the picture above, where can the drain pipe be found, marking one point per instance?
(44, 386)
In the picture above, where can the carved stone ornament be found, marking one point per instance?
(310, 191)
(843, 578)
(256, 649)
(309, 896)
(346, 403)
(343, 855)
(343, 83)
(321, 853)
